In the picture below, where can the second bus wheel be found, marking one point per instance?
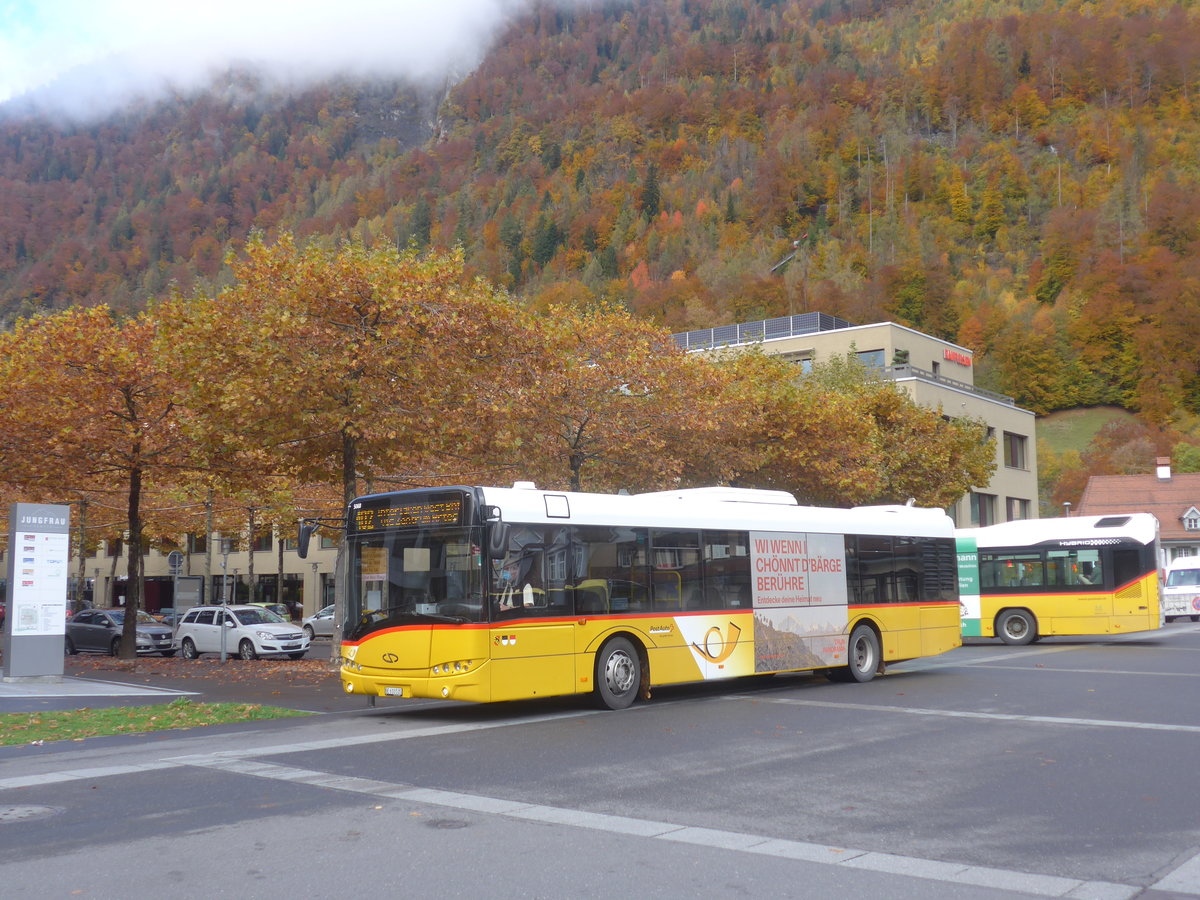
(862, 654)
(618, 674)
(1016, 626)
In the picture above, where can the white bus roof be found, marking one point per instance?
(713, 508)
(1141, 527)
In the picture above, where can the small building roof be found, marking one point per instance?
(1169, 496)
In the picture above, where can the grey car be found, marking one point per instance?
(100, 631)
(320, 623)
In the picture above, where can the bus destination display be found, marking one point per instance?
(441, 510)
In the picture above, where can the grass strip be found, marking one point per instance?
(77, 724)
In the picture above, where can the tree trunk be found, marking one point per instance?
(250, 555)
(133, 589)
(82, 582)
(349, 492)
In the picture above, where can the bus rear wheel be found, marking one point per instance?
(618, 674)
(862, 654)
(1016, 626)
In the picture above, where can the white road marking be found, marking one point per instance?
(967, 714)
(914, 867)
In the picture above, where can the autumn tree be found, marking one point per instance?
(606, 402)
(787, 436)
(840, 436)
(337, 364)
(87, 408)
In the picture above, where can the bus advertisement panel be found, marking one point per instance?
(968, 586)
(801, 602)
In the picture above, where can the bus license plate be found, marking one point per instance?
(393, 691)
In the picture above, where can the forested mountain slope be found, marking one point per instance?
(1020, 177)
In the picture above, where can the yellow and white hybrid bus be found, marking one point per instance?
(486, 594)
(1077, 575)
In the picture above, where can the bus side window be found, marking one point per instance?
(726, 563)
(518, 581)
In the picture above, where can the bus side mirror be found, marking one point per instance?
(498, 540)
(303, 537)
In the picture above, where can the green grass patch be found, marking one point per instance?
(77, 724)
(1073, 429)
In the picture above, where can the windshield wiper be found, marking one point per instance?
(438, 617)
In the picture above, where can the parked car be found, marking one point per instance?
(279, 609)
(100, 631)
(250, 632)
(320, 623)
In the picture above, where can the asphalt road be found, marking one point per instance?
(1062, 769)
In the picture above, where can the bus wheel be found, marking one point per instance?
(1016, 626)
(618, 674)
(862, 652)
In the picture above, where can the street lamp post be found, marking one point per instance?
(224, 613)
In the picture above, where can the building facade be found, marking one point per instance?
(267, 570)
(933, 372)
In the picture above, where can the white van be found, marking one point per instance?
(1181, 589)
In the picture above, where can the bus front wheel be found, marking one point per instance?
(1016, 626)
(618, 674)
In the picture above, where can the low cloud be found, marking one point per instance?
(83, 59)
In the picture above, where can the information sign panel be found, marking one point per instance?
(35, 625)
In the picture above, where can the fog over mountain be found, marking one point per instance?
(82, 60)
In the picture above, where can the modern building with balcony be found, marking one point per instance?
(933, 372)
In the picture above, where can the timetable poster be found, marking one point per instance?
(40, 542)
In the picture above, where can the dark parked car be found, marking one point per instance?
(99, 631)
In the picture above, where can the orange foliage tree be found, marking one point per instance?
(331, 365)
(87, 408)
(609, 401)
(840, 437)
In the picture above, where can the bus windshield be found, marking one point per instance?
(412, 575)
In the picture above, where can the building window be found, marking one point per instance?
(872, 359)
(262, 541)
(197, 543)
(113, 548)
(1017, 509)
(983, 509)
(1191, 520)
(1014, 450)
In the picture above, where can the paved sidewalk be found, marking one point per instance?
(310, 684)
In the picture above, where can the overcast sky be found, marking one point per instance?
(85, 56)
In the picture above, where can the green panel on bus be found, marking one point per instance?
(968, 586)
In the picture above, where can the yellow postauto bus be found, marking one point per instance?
(485, 594)
(1076, 575)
